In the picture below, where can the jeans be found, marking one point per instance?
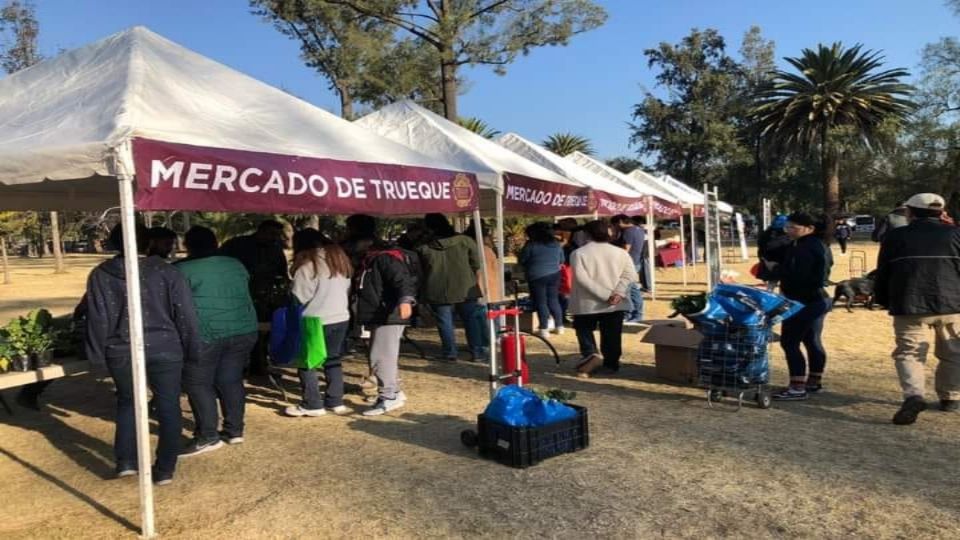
(843, 244)
(611, 334)
(335, 336)
(163, 378)
(805, 328)
(218, 374)
(635, 293)
(545, 292)
(466, 310)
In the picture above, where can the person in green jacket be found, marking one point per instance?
(451, 263)
(228, 326)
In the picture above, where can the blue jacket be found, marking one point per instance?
(541, 260)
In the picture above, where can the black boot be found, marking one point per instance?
(909, 411)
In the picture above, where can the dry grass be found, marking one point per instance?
(660, 463)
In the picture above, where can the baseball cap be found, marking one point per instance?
(926, 201)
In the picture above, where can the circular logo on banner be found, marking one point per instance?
(592, 201)
(462, 190)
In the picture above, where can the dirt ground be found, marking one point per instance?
(660, 463)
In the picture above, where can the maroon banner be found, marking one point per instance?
(183, 177)
(527, 195)
(611, 205)
(664, 209)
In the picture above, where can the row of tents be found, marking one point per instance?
(165, 128)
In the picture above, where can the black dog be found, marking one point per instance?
(856, 290)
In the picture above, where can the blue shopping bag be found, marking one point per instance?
(286, 334)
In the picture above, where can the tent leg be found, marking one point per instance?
(501, 248)
(478, 234)
(683, 251)
(138, 359)
(651, 249)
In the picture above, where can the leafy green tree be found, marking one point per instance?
(481, 32)
(479, 127)
(564, 144)
(624, 164)
(359, 56)
(689, 127)
(833, 88)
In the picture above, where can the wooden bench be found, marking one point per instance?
(65, 368)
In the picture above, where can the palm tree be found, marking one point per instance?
(835, 91)
(564, 144)
(479, 127)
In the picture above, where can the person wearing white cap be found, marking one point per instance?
(918, 281)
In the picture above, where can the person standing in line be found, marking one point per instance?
(451, 262)
(633, 238)
(918, 281)
(171, 337)
(385, 296)
(162, 242)
(322, 275)
(228, 328)
(541, 258)
(842, 233)
(803, 274)
(894, 220)
(772, 244)
(602, 274)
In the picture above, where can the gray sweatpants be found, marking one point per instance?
(384, 358)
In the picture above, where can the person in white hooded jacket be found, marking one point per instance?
(602, 274)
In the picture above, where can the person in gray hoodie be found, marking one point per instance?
(171, 337)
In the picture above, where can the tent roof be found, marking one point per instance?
(543, 157)
(427, 132)
(70, 117)
(685, 197)
(616, 176)
(680, 186)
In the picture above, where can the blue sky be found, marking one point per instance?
(587, 88)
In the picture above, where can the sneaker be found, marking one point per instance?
(909, 411)
(383, 406)
(589, 364)
(790, 394)
(299, 410)
(814, 388)
(162, 478)
(949, 405)
(197, 447)
(123, 472)
(558, 331)
(339, 410)
(544, 334)
(231, 439)
(373, 399)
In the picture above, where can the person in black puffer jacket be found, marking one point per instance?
(385, 294)
(918, 281)
(803, 273)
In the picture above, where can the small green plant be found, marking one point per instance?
(562, 396)
(32, 334)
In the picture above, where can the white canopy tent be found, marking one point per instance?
(76, 126)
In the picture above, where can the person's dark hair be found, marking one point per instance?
(439, 225)
(566, 224)
(802, 218)
(161, 233)
(923, 213)
(599, 230)
(361, 226)
(268, 225)
(540, 232)
(620, 218)
(306, 239)
(415, 236)
(115, 240)
(200, 241)
(639, 220)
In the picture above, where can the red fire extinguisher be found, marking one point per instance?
(508, 357)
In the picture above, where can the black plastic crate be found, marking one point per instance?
(522, 447)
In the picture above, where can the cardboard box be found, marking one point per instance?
(675, 352)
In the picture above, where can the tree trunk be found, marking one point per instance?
(346, 103)
(6, 264)
(448, 74)
(59, 267)
(831, 191)
(44, 246)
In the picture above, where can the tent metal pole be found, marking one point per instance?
(478, 236)
(693, 236)
(651, 249)
(683, 250)
(138, 358)
(501, 249)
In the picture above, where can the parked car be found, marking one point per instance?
(864, 224)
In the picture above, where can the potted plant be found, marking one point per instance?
(6, 355)
(31, 339)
